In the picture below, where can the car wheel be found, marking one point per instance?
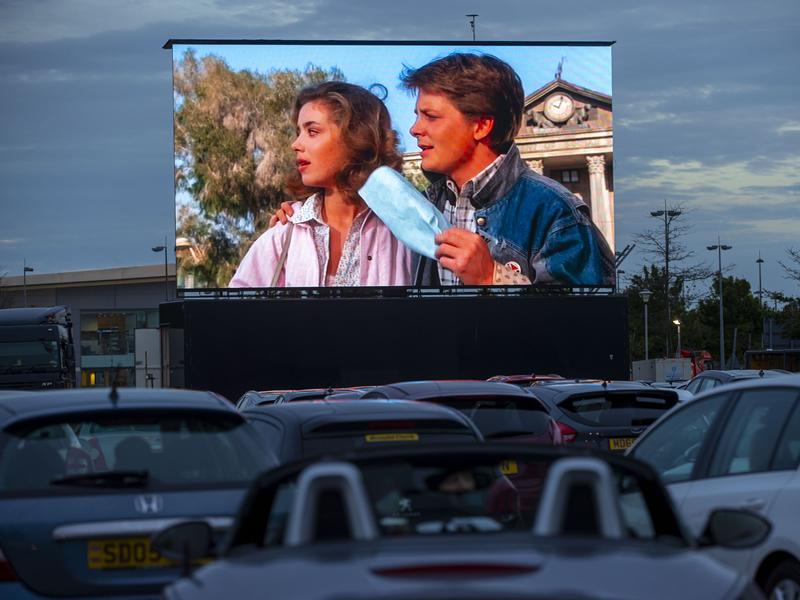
(784, 582)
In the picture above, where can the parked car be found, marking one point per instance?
(523, 380)
(605, 416)
(738, 446)
(499, 410)
(708, 380)
(88, 475)
(440, 523)
(253, 398)
(297, 429)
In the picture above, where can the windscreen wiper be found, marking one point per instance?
(106, 479)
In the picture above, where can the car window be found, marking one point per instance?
(618, 408)
(694, 385)
(270, 434)
(499, 417)
(168, 449)
(787, 456)
(750, 436)
(708, 383)
(673, 445)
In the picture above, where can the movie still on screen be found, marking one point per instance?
(311, 164)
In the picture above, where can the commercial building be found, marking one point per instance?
(114, 316)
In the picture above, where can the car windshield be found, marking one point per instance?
(502, 416)
(126, 448)
(29, 355)
(425, 495)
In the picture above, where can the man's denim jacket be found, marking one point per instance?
(534, 222)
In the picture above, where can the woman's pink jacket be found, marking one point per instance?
(384, 260)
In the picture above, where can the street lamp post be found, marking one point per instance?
(645, 294)
(668, 216)
(25, 270)
(760, 262)
(678, 349)
(166, 276)
(719, 247)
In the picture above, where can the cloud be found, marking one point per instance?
(21, 21)
(11, 241)
(789, 127)
(746, 182)
(786, 227)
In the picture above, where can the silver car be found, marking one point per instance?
(491, 521)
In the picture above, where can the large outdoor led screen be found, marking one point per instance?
(417, 165)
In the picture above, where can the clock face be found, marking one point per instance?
(559, 107)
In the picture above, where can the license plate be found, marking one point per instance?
(620, 443)
(392, 437)
(124, 553)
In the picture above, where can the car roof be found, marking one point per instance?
(412, 390)
(779, 380)
(743, 373)
(80, 400)
(568, 389)
(337, 410)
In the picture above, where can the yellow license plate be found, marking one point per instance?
(620, 443)
(509, 467)
(124, 553)
(392, 437)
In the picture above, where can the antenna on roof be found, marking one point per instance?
(472, 18)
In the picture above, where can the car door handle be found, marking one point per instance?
(753, 504)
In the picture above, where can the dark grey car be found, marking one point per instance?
(87, 477)
(604, 416)
(295, 430)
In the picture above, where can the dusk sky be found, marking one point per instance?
(705, 113)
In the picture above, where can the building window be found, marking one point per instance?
(569, 176)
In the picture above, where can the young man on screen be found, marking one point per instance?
(511, 226)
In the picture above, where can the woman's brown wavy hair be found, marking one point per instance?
(366, 130)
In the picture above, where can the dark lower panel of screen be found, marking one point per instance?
(231, 346)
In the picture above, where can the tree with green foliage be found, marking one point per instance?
(741, 311)
(233, 135)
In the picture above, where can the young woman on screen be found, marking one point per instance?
(344, 133)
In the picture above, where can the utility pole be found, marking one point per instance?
(472, 18)
(668, 215)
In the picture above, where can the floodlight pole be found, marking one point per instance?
(668, 216)
(760, 262)
(719, 247)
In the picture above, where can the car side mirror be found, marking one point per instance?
(186, 542)
(735, 529)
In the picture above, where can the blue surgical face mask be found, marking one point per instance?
(409, 215)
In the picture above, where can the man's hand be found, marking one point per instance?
(282, 214)
(466, 255)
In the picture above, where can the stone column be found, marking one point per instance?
(602, 209)
(537, 165)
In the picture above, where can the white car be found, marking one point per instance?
(738, 446)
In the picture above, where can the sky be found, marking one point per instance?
(705, 113)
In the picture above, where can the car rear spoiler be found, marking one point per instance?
(589, 478)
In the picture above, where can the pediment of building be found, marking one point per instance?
(561, 107)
